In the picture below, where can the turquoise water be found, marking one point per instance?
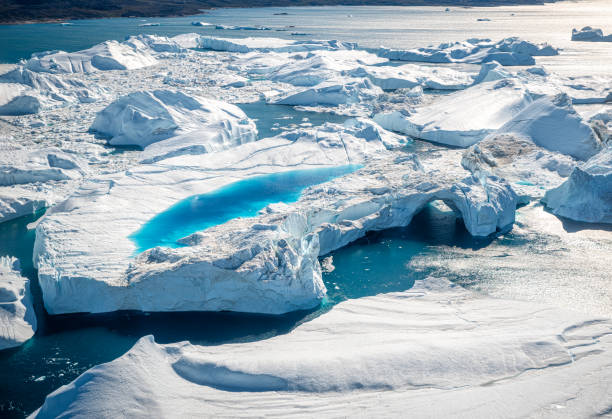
(67, 345)
(239, 199)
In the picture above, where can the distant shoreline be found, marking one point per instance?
(14, 13)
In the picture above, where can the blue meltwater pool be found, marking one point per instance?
(239, 199)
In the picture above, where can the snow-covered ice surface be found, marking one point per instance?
(17, 317)
(527, 133)
(435, 350)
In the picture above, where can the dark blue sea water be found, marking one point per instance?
(67, 345)
(239, 199)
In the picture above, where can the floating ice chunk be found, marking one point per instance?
(587, 194)
(17, 317)
(19, 165)
(269, 44)
(154, 43)
(410, 75)
(508, 51)
(333, 92)
(186, 40)
(47, 89)
(200, 23)
(462, 118)
(142, 118)
(150, 24)
(434, 350)
(243, 28)
(309, 69)
(590, 34)
(18, 99)
(601, 122)
(109, 55)
(552, 123)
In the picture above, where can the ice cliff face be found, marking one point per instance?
(587, 194)
(17, 317)
(143, 118)
(434, 350)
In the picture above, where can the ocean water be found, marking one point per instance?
(371, 27)
(244, 198)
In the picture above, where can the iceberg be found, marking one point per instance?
(553, 123)
(509, 52)
(590, 34)
(245, 45)
(34, 179)
(435, 350)
(17, 99)
(266, 264)
(411, 75)
(153, 43)
(587, 194)
(142, 118)
(333, 92)
(462, 118)
(109, 55)
(17, 317)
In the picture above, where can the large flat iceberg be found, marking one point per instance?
(435, 350)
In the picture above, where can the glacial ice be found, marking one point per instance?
(552, 122)
(462, 118)
(411, 75)
(509, 51)
(332, 92)
(33, 179)
(17, 317)
(590, 34)
(269, 44)
(587, 194)
(142, 118)
(109, 55)
(17, 99)
(435, 350)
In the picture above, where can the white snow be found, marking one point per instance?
(435, 350)
(109, 55)
(142, 118)
(17, 317)
(590, 34)
(587, 194)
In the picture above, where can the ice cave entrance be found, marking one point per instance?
(239, 199)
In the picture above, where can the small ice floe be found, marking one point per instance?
(589, 34)
(150, 24)
(201, 23)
